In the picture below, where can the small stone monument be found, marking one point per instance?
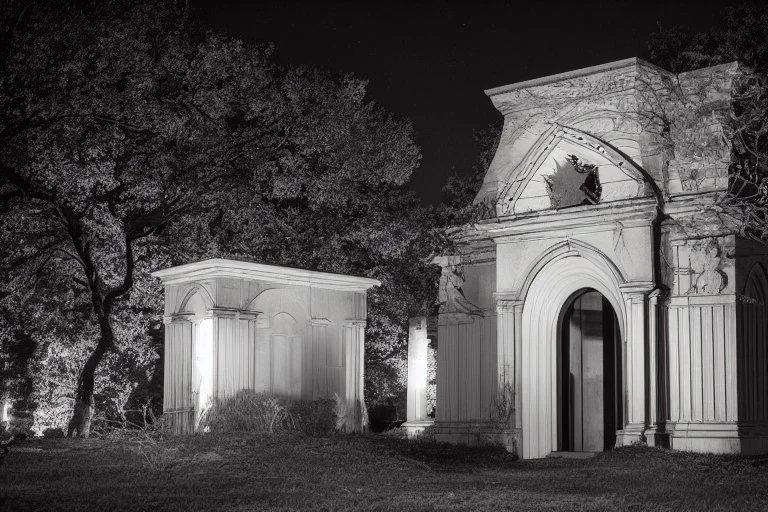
(418, 350)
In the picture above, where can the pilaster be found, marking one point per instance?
(321, 358)
(636, 354)
(509, 310)
(356, 418)
(657, 370)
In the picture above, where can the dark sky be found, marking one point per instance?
(431, 61)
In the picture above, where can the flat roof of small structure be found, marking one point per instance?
(216, 268)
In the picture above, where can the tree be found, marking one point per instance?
(114, 118)
(460, 190)
(353, 216)
(742, 37)
(132, 141)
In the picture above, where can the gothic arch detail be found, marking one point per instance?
(524, 188)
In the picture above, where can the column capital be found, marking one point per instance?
(242, 314)
(512, 295)
(418, 323)
(659, 293)
(507, 301)
(223, 312)
(637, 289)
(177, 318)
(245, 314)
(355, 323)
(320, 322)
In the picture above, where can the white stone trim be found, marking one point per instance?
(223, 268)
(577, 219)
(552, 286)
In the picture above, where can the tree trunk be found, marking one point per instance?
(80, 424)
(102, 302)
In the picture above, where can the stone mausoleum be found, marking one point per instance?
(234, 325)
(604, 299)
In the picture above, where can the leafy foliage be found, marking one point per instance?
(460, 191)
(743, 37)
(131, 141)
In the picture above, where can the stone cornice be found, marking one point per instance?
(632, 62)
(691, 202)
(577, 219)
(601, 81)
(241, 314)
(222, 268)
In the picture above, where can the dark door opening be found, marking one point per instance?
(589, 376)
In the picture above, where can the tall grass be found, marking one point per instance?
(251, 411)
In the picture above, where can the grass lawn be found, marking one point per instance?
(251, 472)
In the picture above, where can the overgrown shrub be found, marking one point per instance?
(53, 433)
(316, 417)
(146, 427)
(249, 411)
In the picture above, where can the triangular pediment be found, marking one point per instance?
(548, 178)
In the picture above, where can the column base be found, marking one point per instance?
(631, 434)
(478, 434)
(657, 436)
(746, 439)
(415, 428)
(181, 422)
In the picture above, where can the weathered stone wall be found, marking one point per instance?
(684, 287)
(234, 325)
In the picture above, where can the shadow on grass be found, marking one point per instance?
(371, 472)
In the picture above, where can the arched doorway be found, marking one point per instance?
(556, 279)
(589, 374)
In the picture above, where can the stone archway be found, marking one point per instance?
(550, 289)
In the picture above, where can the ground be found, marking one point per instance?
(247, 472)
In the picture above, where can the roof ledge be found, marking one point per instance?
(218, 268)
(592, 70)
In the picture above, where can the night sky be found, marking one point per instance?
(432, 61)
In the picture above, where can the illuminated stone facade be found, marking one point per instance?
(233, 325)
(676, 351)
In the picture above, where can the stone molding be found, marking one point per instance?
(455, 318)
(679, 301)
(218, 268)
(249, 315)
(578, 219)
(508, 305)
(637, 290)
(631, 63)
(178, 318)
(235, 313)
